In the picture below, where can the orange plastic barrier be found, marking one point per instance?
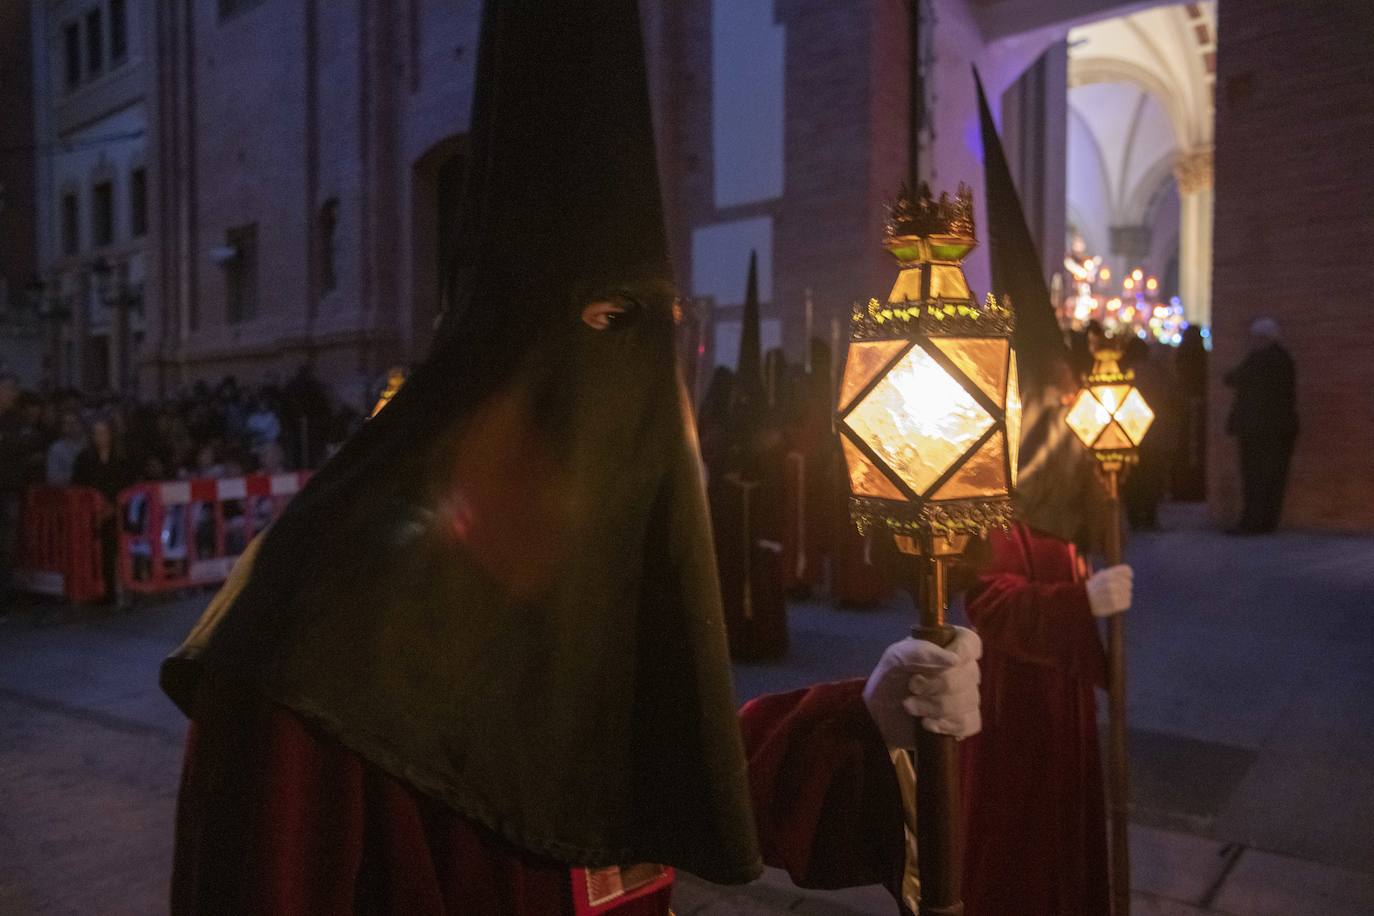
(184, 533)
(59, 543)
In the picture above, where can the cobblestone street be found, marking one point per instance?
(1253, 737)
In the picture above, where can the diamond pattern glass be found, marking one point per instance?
(864, 478)
(919, 420)
(1113, 438)
(984, 474)
(1135, 416)
(982, 359)
(1087, 418)
(864, 362)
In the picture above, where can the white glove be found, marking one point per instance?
(918, 679)
(1109, 591)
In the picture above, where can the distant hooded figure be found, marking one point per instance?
(1264, 420)
(1036, 837)
(478, 665)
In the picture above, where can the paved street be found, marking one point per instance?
(1253, 738)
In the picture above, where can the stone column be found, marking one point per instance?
(1194, 173)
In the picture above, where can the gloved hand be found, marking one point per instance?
(1109, 591)
(918, 679)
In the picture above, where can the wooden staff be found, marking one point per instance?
(939, 824)
(1118, 752)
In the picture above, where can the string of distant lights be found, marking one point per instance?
(1135, 307)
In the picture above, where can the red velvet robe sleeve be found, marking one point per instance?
(1030, 604)
(825, 794)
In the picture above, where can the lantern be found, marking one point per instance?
(929, 411)
(929, 419)
(1109, 414)
(1111, 418)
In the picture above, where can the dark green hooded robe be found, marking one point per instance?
(503, 589)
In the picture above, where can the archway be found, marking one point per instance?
(1142, 112)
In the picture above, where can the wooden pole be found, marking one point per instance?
(1118, 752)
(939, 820)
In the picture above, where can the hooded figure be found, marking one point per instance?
(1036, 822)
(746, 500)
(502, 589)
(485, 642)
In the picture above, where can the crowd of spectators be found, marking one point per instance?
(224, 430)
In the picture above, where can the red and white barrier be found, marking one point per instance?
(184, 533)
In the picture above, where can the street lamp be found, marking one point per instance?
(929, 417)
(1110, 417)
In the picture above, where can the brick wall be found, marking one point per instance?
(1294, 237)
(293, 105)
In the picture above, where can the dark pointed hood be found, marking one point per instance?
(1056, 485)
(749, 368)
(748, 395)
(503, 590)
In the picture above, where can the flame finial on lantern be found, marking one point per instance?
(929, 404)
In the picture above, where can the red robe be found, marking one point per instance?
(1033, 797)
(274, 817)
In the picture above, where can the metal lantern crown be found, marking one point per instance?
(929, 410)
(1109, 414)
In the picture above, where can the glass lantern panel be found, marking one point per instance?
(1087, 418)
(1135, 416)
(949, 251)
(982, 359)
(919, 420)
(1013, 419)
(1111, 396)
(864, 362)
(864, 478)
(1114, 437)
(907, 288)
(984, 474)
(947, 281)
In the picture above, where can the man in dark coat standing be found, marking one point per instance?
(1264, 420)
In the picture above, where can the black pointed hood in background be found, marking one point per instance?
(503, 590)
(748, 400)
(749, 368)
(1056, 490)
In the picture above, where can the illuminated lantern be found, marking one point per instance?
(1109, 415)
(929, 418)
(929, 411)
(1111, 418)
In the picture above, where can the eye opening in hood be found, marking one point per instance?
(603, 313)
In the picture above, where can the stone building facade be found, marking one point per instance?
(308, 156)
(305, 160)
(90, 204)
